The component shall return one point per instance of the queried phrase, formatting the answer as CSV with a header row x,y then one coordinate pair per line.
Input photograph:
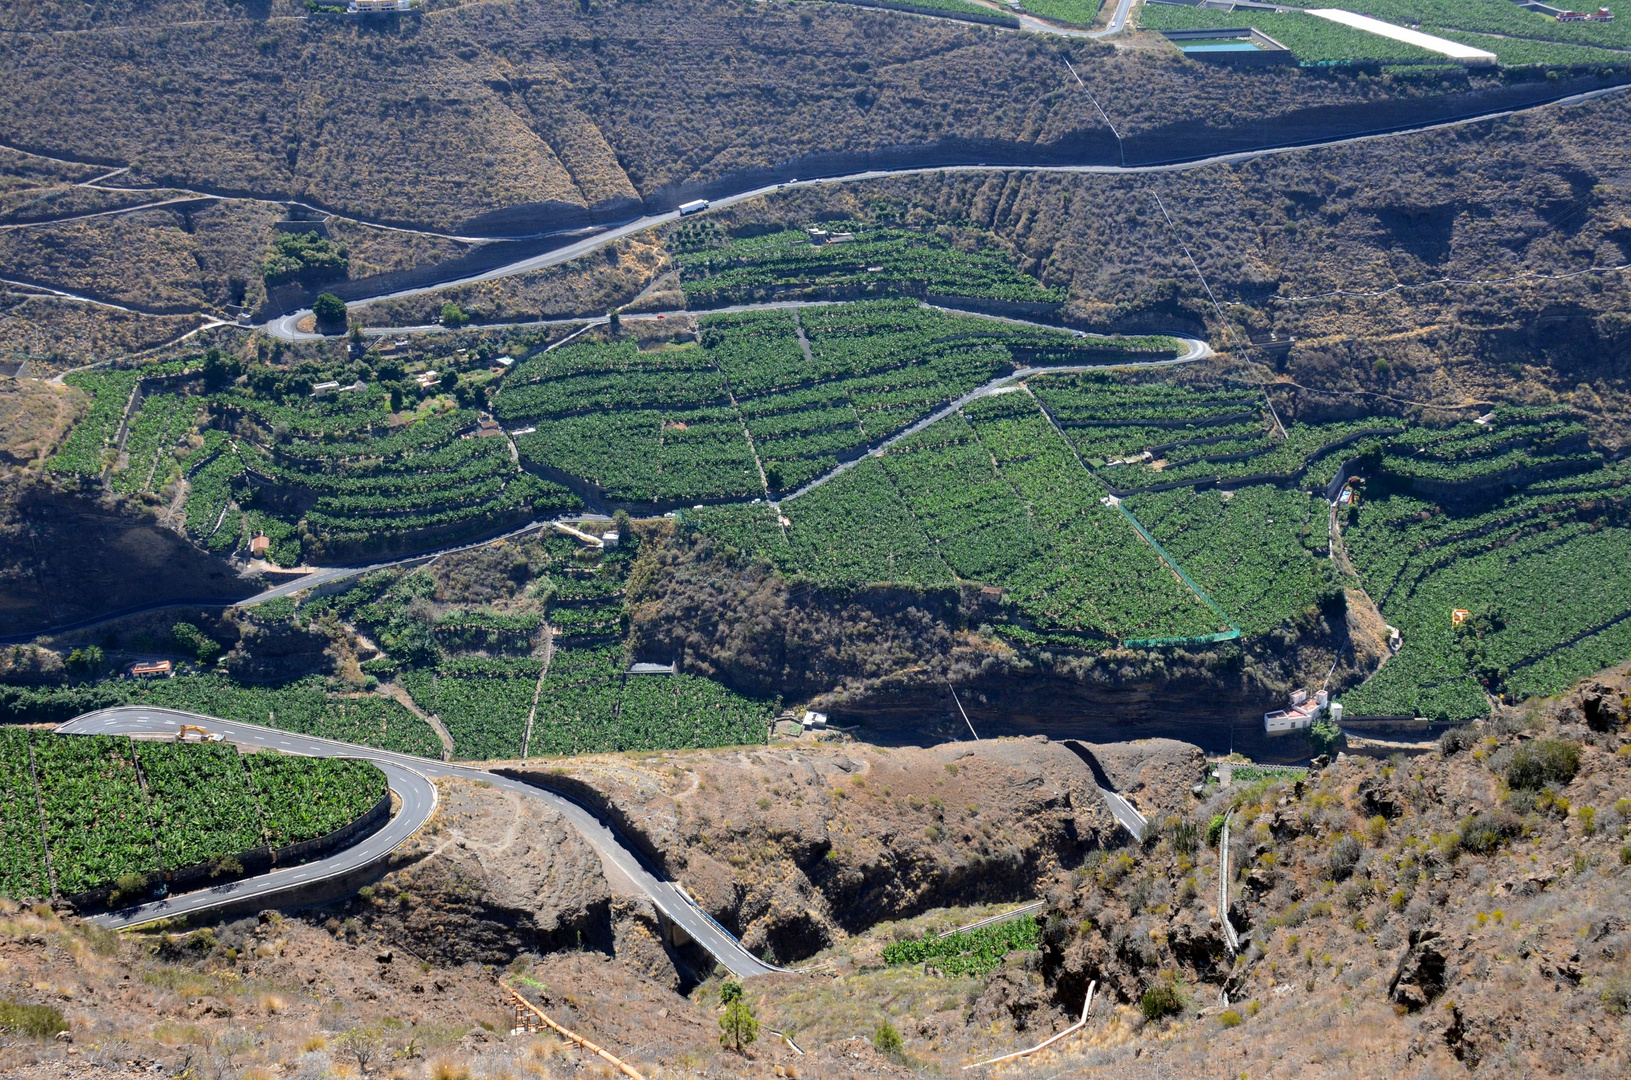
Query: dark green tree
x,y
330,312
220,368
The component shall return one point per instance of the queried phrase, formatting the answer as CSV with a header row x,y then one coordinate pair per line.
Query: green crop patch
x,y
1257,551
967,952
1069,12
89,446
1152,436
1516,35
155,432
87,811
996,496
485,629
324,478
341,478
853,261
486,714
1222,530
1312,40
305,707
1497,19
588,704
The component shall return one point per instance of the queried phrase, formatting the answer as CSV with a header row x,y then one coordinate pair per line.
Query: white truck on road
x,y
695,206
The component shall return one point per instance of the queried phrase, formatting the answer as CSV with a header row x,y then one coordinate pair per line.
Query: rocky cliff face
x,y
792,847
883,656
493,874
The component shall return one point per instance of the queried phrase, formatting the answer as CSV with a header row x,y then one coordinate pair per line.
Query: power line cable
x,y
1227,328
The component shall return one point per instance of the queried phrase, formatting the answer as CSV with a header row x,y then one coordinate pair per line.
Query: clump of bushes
x,y
886,1040
1617,997
1324,736
1537,764
1344,857
34,1021
1484,831
1457,739
1162,999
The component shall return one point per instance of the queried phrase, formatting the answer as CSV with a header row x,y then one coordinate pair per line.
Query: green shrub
x,y
1214,830
1229,1018
887,1041
1324,736
1616,996
35,1021
1162,999
1548,761
1484,832
1185,837
1344,857
453,315
730,991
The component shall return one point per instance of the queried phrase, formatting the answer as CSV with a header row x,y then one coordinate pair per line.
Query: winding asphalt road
x,y
1125,813
286,327
414,775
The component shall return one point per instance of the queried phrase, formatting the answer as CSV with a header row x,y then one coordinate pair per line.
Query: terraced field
x,y
1542,573
1222,527
1154,436
863,263
791,392
993,495
1517,36
346,478
1108,508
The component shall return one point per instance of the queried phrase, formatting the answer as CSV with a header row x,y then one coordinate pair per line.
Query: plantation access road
x,y
417,793
327,574
285,327
1197,350
620,859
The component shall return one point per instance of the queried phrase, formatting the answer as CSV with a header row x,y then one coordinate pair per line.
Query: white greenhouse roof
x,y
1443,46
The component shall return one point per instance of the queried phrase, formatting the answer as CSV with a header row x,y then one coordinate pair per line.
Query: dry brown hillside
x,y
1422,916
483,106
